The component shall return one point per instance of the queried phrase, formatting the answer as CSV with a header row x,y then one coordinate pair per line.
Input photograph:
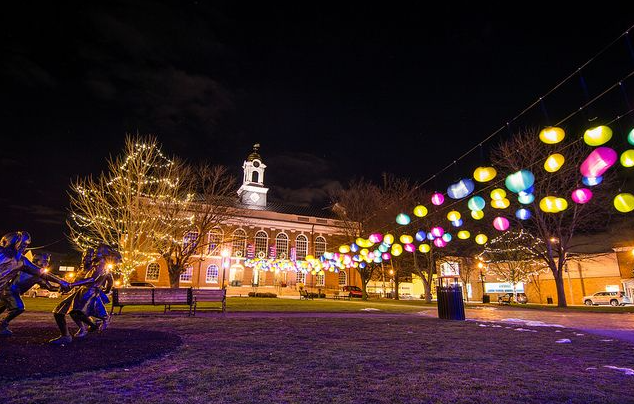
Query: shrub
x,y
262,294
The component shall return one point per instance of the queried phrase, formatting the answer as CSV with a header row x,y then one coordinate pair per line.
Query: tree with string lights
x,y
119,208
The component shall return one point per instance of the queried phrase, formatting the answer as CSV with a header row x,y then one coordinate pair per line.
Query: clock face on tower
x,y
254,197
256,164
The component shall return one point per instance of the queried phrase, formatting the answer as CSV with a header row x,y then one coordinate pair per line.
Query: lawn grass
x,y
345,358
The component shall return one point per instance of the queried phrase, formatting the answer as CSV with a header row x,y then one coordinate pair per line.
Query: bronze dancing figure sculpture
x,y
12,262
87,297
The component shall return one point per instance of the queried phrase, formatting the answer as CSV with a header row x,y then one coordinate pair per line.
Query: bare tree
x,y
204,202
557,230
117,208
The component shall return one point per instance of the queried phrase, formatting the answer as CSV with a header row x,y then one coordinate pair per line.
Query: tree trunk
x,y
427,285
364,284
175,276
561,293
396,282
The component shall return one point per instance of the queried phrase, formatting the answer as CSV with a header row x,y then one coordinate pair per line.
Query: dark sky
x,y
332,91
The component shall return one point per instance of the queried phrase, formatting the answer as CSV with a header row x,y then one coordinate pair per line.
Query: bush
x,y
313,295
262,294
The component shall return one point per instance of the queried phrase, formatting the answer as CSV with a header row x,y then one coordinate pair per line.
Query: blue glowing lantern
x,y
354,247
523,214
460,189
630,137
447,237
476,203
519,181
421,235
403,219
457,223
525,199
591,181
430,236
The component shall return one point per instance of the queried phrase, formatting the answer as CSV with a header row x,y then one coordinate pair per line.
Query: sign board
x,y
449,269
66,269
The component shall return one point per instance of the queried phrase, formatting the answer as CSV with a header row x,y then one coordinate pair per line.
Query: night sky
x,y
331,91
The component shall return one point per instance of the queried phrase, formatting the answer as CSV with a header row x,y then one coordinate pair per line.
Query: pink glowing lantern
x,y
376,238
386,256
409,247
437,198
437,231
581,195
501,223
598,162
439,242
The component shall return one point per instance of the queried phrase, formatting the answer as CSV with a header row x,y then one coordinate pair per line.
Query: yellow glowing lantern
x,y
561,204
554,162
424,248
309,257
627,158
477,214
553,204
388,239
406,239
552,135
484,174
364,252
500,203
624,202
481,239
344,249
453,216
463,234
497,194
597,136
420,211
396,250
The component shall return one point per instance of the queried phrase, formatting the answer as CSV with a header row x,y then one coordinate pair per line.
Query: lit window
x,y
190,239
301,277
301,244
343,278
214,240
186,276
320,280
212,274
152,273
281,246
239,243
320,246
261,243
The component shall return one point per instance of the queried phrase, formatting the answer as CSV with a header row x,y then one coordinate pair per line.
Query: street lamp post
x,y
225,264
481,265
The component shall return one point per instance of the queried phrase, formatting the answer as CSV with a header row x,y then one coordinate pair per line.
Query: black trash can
x,y
450,304
486,299
549,300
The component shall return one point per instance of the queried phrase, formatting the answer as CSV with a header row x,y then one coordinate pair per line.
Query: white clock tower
x,y
252,191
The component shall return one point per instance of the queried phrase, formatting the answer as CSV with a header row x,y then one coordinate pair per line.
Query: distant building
x,y
265,242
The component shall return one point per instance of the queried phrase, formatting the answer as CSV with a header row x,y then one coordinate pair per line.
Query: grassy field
x,y
344,358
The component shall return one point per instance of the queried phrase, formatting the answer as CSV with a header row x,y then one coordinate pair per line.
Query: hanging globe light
x,y
420,211
630,137
525,199
523,214
554,162
386,256
396,250
581,195
552,135
376,237
519,181
477,214
440,243
624,202
457,223
344,249
484,174
497,194
481,239
409,247
464,234
591,181
447,237
476,203
424,248
354,247
437,231
501,223
403,219
406,239
598,162
500,203
421,235
388,239
460,189
627,158
453,216
437,199
597,136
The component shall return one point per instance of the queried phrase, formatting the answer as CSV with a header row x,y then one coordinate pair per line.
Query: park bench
x,y
304,295
152,297
210,295
337,295
505,299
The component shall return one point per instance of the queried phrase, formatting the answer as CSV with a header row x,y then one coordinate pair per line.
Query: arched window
x,y
152,272
301,244
301,277
186,276
281,246
212,274
214,241
261,243
190,240
255,176
320,246
343,278
239,243
320,280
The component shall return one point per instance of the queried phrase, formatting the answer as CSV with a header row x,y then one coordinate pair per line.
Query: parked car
x,y
37,291
611,298
142,285
508,298
352,291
